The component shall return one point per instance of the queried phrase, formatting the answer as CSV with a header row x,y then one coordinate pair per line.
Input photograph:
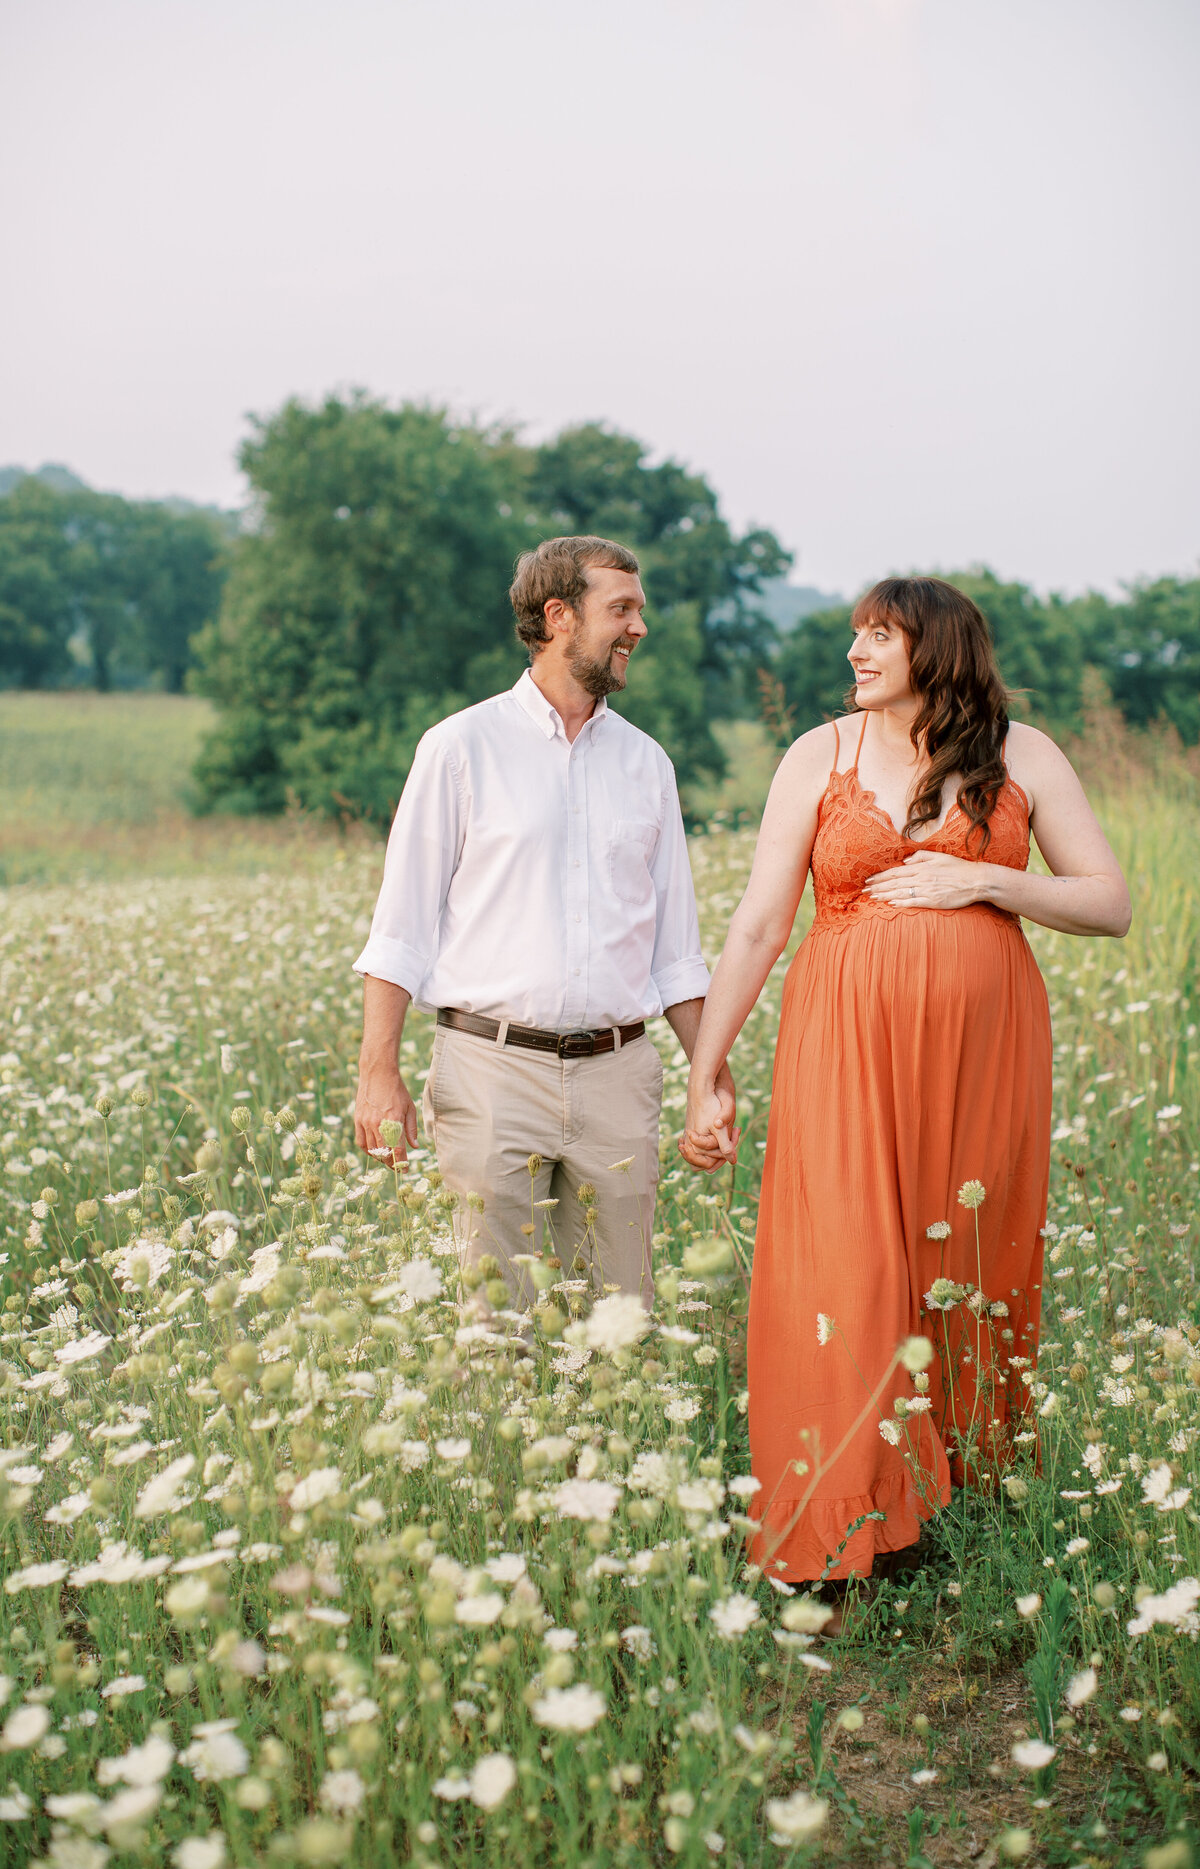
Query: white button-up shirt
x,y
535,879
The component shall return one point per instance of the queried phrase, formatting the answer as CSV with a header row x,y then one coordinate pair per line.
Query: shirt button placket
x,y
576,885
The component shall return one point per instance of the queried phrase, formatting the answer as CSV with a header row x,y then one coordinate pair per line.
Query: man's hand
x,y
383,1098
709,1139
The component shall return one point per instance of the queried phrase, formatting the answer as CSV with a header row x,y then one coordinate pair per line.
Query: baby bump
x,y
919,975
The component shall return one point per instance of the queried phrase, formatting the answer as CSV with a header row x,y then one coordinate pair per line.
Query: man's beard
x,y
594,677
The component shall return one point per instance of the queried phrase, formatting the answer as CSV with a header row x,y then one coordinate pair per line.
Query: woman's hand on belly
x,y
931,879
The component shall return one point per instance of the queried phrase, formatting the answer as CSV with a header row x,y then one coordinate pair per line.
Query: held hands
x,y
383,1098
709,1139
930,879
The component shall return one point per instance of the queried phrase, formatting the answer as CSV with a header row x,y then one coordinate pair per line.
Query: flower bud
x,y
86,1213
103,1106
241,1119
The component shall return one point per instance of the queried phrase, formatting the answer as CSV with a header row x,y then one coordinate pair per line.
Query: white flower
x,y
972,1194
733,1615
825,1328
915,1354
119,1563
320,1484
939,1230
146,1764
925,1776
162,1493
35,1576
591,1501
421,1280
1175,1608
215,1752
142,1264
207,1852
1076,1546
1028,1606
683,1408
452,1450
1081,1687
699,1496
655,1473
616,1323
891,1431
123,1198
450,1789
123,1684
744,1486
342,1792
570,1709
15,1807
796,1817
1032,1754
561,1641
123,1815
506,1567
638,1641
1168,1113
24,1726
83,1349
492,1778
479,1611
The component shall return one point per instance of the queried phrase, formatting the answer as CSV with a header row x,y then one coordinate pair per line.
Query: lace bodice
x,y
856,839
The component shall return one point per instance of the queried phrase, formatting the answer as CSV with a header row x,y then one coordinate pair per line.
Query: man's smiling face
x,y
608,627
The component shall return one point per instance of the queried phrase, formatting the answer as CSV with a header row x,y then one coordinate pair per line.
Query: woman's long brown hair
x,y
962,714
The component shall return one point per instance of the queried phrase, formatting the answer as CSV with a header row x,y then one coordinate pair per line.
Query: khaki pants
x,y
489,1108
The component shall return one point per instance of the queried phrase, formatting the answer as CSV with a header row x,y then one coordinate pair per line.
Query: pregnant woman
x,y
912,1066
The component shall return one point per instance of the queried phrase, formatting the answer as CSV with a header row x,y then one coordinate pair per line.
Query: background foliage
x,y
363,597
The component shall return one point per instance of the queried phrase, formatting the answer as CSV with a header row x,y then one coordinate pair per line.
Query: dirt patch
x,y
955,1817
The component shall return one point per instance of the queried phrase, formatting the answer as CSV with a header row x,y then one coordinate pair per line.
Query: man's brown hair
x,y
559,568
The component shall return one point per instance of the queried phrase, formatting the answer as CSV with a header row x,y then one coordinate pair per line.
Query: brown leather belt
x,y
532,1038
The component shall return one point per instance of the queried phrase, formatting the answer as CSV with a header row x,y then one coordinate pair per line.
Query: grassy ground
x,y
382,1544
97,787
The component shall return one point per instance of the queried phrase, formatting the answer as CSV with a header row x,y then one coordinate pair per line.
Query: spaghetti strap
x,y
862,736
837,751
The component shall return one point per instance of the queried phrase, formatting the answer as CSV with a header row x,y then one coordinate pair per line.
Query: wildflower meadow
x,y
314,1551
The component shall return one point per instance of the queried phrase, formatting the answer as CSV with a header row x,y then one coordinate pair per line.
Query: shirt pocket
x,y
630,849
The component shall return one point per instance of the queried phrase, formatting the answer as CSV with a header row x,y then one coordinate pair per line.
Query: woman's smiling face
x,y
879,657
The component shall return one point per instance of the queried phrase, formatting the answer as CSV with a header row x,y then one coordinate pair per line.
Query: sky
x,y
913,282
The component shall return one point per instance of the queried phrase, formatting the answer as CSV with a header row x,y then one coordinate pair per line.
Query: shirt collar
x,y
539,709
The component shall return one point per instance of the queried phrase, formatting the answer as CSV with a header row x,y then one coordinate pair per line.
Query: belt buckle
x,y
576,1044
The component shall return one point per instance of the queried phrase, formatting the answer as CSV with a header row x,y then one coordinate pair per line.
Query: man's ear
x,y
560,618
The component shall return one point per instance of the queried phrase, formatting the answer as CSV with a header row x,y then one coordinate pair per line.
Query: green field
x,y
302,1562
98,786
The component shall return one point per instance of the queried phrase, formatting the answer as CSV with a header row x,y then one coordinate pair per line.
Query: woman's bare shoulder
x,y
805,767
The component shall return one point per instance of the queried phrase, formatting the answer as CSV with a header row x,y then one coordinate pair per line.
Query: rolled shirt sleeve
x,y
423,849
677,968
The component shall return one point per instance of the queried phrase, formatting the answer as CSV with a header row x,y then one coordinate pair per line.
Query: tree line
x,y
100,591
363,597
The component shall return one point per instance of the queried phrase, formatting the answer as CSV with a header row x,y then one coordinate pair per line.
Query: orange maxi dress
x,y
914,1057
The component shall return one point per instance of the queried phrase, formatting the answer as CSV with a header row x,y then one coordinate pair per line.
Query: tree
x,y
36,615
93,583
368,600
1149,648
369,597
594,479
1041,647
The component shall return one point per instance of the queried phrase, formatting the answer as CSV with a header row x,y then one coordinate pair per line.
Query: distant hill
x,y
51,473
786,603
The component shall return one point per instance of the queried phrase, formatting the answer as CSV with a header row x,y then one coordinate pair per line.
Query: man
x,y
537,895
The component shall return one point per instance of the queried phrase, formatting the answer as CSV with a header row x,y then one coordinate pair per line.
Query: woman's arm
x,y
758,934
1085,895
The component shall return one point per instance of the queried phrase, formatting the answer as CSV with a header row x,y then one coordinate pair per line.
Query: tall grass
x,y
307,1559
